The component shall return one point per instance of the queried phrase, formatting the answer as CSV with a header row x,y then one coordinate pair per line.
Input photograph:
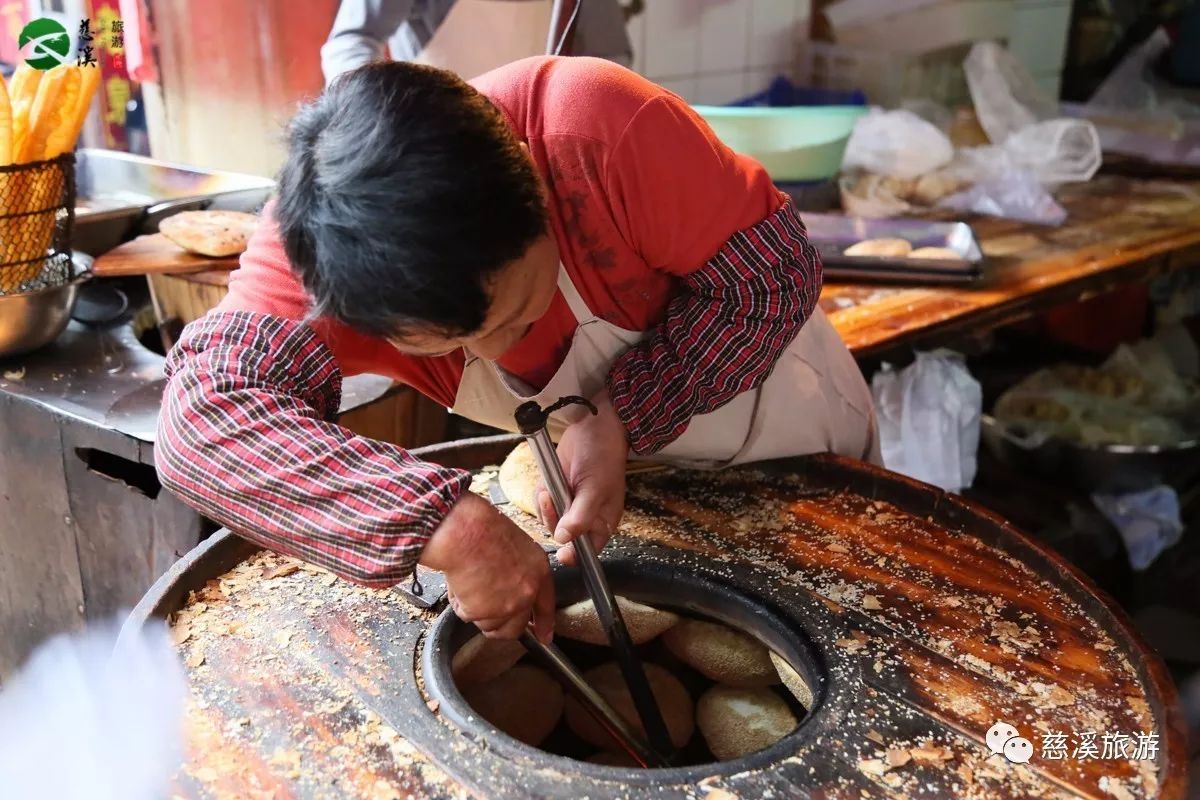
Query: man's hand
x,y
593,453
497,576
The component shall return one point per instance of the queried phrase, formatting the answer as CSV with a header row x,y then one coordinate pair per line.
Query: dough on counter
x,y
210,233
880,248
580,622
673,699
735,722
519,478
935,253
793,680
482,659
524,702
721,653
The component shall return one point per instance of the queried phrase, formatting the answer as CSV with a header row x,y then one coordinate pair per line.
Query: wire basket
x,y
37,214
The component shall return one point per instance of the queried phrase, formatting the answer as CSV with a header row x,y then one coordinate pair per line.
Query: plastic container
x,y
795,143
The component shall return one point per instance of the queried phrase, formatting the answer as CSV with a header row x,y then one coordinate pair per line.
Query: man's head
x,y
410,211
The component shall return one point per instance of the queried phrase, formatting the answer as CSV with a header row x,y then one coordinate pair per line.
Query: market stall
x,y
930,532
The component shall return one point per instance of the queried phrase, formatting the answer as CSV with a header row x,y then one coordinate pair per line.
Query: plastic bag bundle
x,y
1025,124
896,143
929,414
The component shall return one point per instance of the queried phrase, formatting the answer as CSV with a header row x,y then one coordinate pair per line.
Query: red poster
x,y
108,49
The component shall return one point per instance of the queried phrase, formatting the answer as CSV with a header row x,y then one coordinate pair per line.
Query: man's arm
x,y
360,34
738,306
244,437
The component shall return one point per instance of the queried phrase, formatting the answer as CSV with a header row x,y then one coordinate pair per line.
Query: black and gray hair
x,y
403,192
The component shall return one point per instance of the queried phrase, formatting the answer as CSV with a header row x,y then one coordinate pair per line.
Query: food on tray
x,y
482,659
793,680
880,248
736,721
1135,398
524,702
216,234
580,621
673,699
721,654
935,253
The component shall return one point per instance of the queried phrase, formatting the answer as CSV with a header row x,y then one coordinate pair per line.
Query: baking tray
x,y
831,234
119,195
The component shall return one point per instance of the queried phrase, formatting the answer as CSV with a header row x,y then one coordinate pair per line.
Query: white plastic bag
x,y
1025,124
1015,194
929,416
897,143
1005,95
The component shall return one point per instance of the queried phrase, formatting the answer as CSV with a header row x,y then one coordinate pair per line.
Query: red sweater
x,y
660,226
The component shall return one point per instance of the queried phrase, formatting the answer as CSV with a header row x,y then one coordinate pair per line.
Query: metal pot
x,y
1113,468
34,319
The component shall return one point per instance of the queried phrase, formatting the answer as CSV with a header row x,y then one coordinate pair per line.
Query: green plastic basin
x,y
794,143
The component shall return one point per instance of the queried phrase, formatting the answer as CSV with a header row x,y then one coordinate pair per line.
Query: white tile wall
x,y
719,89
672,38
1038,34
724,25
717,51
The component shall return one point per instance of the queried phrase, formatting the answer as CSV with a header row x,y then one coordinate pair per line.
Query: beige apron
x,y
815,400
480,35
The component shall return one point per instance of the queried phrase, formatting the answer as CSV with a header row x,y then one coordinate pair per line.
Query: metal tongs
x,y
531,421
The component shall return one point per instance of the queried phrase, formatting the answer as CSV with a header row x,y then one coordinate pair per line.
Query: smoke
x,y
91,718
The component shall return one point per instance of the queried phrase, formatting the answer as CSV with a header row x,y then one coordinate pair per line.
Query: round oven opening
x,y
718,726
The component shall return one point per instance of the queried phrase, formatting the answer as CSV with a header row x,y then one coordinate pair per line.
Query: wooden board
x,y
155,254
297,675
1118,231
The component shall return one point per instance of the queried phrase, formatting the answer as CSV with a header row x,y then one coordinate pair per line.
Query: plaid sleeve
x,y
722,333
244,437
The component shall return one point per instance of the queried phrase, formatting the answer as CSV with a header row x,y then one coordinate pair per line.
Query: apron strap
x,y
578,307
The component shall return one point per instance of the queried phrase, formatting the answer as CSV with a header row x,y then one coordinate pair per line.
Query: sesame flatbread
x,y
216,234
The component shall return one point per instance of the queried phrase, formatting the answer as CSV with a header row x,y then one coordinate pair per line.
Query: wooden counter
x,y
1119,231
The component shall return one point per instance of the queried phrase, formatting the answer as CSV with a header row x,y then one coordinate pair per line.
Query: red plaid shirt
x,y
661,228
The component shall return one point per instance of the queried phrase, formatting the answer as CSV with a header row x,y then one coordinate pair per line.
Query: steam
x,y
91,718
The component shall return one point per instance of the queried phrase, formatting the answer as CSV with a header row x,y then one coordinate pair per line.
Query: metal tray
x,y
832,234
119,195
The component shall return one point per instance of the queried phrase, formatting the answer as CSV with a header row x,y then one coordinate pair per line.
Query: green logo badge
x,y
48,41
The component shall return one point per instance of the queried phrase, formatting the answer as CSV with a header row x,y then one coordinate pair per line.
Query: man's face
x,y
521,293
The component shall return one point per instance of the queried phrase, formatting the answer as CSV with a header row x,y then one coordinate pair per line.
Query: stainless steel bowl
x,y
1114,468
34,319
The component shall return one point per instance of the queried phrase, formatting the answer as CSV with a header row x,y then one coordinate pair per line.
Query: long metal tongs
x,y
531,422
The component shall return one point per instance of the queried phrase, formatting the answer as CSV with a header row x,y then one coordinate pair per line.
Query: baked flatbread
x,y
735,722
519,478
721,653
793,680
482,659
880,248
935,253
524,702
216,234
581,622
673,700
